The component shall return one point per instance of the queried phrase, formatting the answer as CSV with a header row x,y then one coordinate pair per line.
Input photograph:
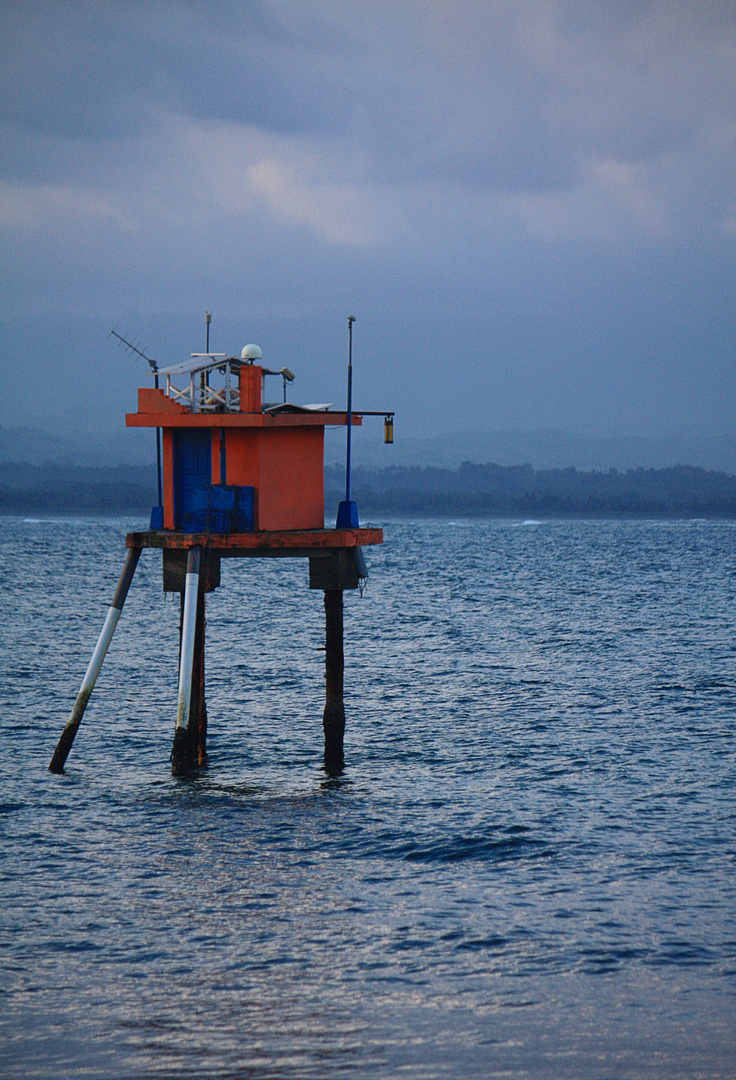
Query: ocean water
x,y
526,869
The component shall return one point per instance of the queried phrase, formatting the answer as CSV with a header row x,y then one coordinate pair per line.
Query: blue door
x,y
192,479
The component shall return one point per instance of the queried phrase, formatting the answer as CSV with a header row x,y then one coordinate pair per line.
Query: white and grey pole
x,y
113,615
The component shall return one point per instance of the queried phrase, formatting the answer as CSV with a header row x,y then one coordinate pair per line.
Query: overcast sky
x,y
529,206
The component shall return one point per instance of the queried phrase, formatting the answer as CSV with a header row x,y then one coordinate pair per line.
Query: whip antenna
x,y
347,511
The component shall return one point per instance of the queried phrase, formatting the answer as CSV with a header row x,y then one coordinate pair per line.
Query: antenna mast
x,y
351,320
347,511
130,347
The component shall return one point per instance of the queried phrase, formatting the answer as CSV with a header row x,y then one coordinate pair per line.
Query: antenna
x,y
347,511
351,320
132,347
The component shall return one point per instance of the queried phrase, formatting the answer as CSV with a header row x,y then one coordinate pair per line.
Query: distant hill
x,y
491,489
471,489
28,488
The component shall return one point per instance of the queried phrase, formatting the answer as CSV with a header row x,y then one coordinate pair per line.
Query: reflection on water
x,y
525,869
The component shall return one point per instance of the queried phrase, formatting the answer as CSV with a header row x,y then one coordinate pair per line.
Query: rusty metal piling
x,y
333,719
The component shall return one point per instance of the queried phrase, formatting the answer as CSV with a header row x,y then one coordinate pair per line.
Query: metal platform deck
x,y
297,543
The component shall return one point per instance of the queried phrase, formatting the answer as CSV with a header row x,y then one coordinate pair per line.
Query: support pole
x,y
198,709
197,745
180,758
113,615
333,719
158,523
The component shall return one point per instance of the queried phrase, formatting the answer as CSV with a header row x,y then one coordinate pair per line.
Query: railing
x,y
212,387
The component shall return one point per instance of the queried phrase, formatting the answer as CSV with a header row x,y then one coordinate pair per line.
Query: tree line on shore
x,y
470,490
481,490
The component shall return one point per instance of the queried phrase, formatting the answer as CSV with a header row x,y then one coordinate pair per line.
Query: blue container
x,y
243,517
222,497
220,521
229,508
221,508
195,521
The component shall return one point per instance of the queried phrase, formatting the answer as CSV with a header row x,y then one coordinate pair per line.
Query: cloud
x,y
337,213
506,96
573,119
184,171
37,206
729,220
445,164
611,199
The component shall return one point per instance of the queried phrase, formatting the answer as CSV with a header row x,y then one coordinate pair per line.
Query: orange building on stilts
x,y
240,477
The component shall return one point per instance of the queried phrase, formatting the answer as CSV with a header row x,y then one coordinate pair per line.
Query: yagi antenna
x,y
133,348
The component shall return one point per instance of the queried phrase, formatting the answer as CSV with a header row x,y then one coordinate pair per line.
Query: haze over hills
x,y
540,449
37,446
523,473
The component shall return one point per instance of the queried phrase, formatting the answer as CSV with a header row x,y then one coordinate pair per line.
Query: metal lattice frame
x,y
201,396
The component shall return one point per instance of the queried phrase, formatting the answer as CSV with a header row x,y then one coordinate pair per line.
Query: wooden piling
x,y
113,615
333,719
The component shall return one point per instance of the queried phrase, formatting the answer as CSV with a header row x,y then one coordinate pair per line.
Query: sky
x,y
529,207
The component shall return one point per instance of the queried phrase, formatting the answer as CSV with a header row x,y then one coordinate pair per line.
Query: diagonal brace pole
x,y
113,615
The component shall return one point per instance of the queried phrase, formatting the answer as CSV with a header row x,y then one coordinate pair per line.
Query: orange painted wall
x,y
291,480
250,388
284,466
167,476
241,465
151,400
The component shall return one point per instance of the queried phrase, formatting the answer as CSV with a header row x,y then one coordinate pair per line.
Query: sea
x,y
527,867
